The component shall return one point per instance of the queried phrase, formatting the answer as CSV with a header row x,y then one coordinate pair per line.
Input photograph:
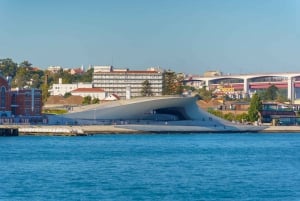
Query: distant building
x,y
18,102
102,69
92,92
61,89
26,102
212,73
116,81
54,69
5,98
77,71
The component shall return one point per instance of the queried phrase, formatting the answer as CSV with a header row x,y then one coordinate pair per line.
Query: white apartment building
x,y
60,89
119,81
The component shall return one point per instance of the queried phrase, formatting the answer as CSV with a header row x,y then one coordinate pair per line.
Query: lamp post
x,y
94,116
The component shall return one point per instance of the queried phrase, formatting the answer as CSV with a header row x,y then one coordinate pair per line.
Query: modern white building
x,y
61,89
118,81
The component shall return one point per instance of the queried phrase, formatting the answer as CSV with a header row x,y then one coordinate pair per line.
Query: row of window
x,y
126,81
127,77
133,91
106,85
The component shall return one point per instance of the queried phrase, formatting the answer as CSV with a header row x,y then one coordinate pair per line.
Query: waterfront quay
x,y
85,130
10,131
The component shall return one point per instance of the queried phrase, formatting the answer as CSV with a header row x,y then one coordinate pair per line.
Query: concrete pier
x,y
9,132
84,130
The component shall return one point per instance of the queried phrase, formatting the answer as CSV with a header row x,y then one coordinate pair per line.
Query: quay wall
x,y
9,132
15,130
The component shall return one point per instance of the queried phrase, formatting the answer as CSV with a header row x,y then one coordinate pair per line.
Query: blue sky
x,y
233,36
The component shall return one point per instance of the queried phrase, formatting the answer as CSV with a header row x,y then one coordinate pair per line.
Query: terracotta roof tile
x,y
93,90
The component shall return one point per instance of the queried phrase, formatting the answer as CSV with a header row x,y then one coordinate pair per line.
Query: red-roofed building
x,y
77,71
92,92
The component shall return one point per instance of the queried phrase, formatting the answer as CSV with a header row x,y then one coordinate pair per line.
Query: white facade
x,y
54,69
92,92
60,89
116,81
103,68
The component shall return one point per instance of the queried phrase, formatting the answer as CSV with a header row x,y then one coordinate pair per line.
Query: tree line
x,y
272,93
24,75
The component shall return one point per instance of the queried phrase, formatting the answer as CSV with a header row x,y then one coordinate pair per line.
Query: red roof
x,y
76,71
88,90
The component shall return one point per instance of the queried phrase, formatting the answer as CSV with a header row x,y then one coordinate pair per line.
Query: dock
x,y
86,130
9,132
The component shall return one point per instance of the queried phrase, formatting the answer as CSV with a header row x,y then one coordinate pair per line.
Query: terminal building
x,y
124,81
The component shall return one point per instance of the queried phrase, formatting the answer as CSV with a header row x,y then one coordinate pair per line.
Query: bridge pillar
x,y
291,89
246,87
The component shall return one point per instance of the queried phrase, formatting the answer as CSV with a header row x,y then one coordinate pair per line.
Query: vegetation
x,y
230,116
8,67
255,107
146,88
87,100
95,101
45,92
25,76
68,94
172,83
205,94
55,111
273,94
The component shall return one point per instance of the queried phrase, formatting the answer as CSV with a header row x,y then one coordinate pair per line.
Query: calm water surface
x,y
151,167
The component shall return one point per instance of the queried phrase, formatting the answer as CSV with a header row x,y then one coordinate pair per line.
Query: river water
x,y
151,167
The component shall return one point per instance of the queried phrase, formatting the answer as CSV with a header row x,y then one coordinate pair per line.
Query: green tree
x,y
282,95
95,101
205,94
169,83
179,83
68,94
45,92
8,67
87,76
87,100
271,93
146,88
217,113
255,107
20,78
229,116
25,64
242,117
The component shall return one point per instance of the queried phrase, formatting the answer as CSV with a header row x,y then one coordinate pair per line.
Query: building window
x,y
3,98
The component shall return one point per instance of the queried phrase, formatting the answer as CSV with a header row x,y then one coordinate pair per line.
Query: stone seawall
x,y
46,130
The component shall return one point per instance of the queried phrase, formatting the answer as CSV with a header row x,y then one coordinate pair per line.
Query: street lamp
x,y
94,116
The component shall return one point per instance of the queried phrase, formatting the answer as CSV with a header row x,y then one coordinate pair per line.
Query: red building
x,y
26,102
19,103
5,98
